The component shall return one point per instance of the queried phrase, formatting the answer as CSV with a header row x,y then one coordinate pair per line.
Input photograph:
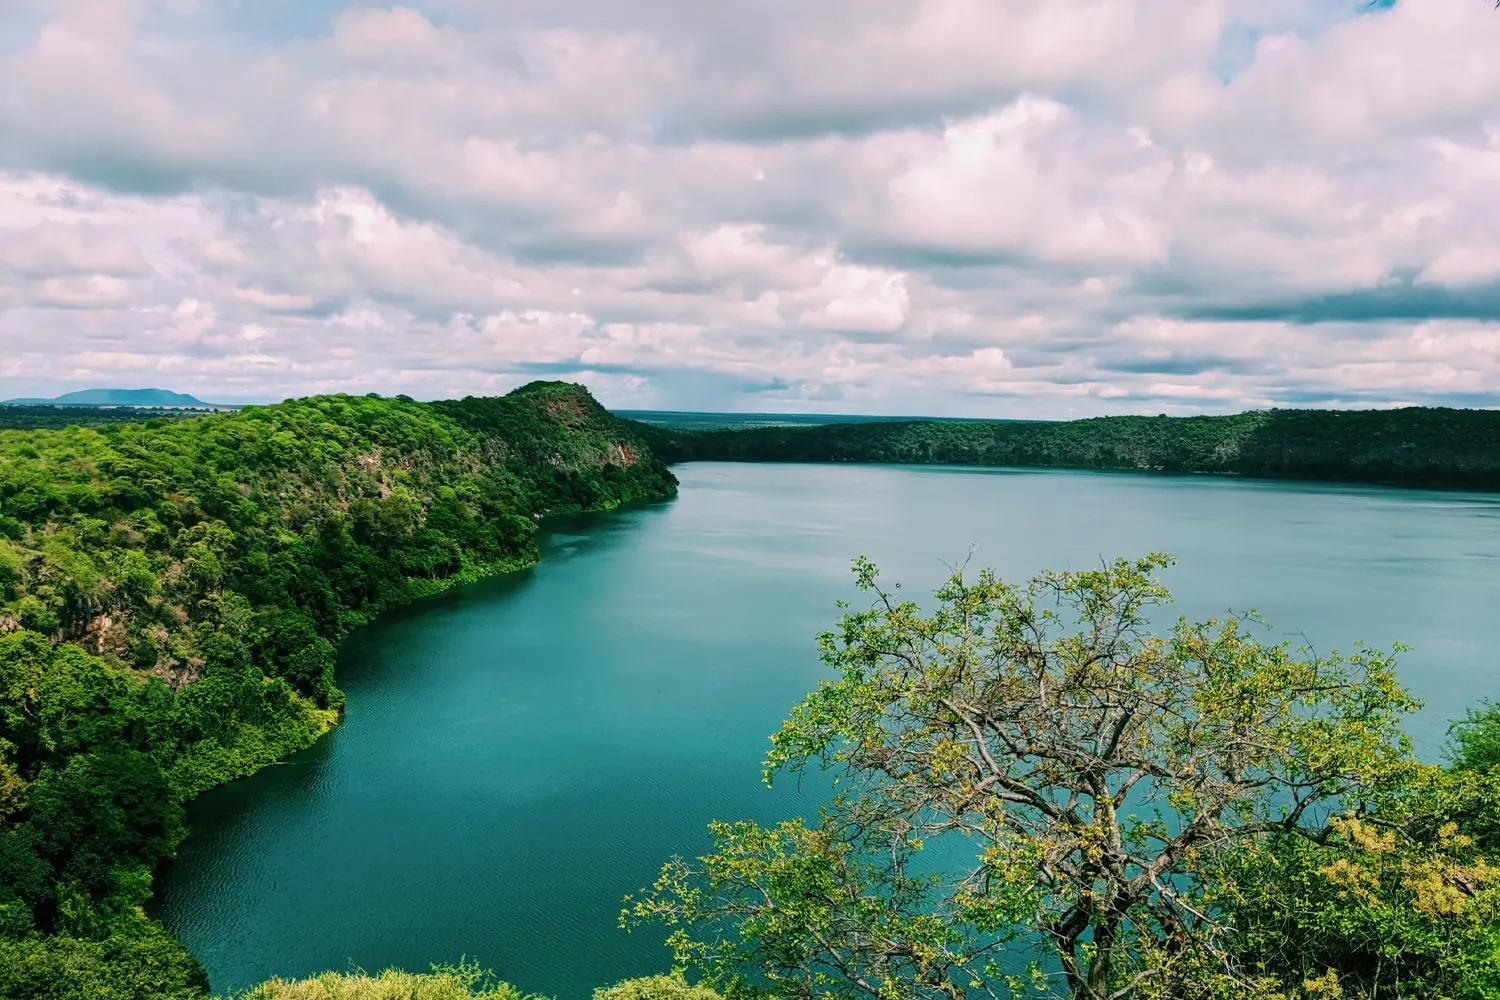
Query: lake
x,y
520,754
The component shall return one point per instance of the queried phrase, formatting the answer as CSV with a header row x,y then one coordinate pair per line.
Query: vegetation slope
x,y
170,596
1417,446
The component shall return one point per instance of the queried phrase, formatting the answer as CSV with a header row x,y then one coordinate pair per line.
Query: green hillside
x,y
1415,446
170,596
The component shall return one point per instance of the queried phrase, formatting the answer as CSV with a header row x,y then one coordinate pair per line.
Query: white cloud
x,y
1026,182
82,292
857,299
1045,207
1464,266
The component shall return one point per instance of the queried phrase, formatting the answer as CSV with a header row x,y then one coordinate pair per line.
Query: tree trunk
x,y
1106,930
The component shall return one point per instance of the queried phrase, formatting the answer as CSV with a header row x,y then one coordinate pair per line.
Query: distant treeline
x,y
47,416
1413,446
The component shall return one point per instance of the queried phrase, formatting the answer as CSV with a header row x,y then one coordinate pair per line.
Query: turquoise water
x,y
519,755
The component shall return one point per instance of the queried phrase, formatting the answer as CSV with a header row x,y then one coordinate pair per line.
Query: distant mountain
x,y
115,397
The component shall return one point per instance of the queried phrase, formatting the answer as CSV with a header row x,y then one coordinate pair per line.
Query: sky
x,y
1007,208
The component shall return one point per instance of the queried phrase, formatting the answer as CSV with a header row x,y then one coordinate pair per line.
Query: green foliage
x,y
655,988
10,570
38,417
143,963
290,647
171,594
1402,902
1032,770
95,766
1474,740
1418,446
460,982
127,536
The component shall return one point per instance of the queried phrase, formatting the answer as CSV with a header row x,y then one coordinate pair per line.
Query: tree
x,y
1399,904
1030,770
1474,740
144,962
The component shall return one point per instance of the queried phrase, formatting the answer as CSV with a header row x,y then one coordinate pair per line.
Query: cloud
x,y
1039,208
1026,183
857,300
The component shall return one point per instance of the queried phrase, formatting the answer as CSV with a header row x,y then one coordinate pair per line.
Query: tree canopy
x,y
1414,446
1043,792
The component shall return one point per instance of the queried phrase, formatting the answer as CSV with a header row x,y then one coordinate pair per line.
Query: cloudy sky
x,y
970,207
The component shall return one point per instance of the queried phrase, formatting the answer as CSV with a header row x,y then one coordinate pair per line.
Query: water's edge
x,y
514,569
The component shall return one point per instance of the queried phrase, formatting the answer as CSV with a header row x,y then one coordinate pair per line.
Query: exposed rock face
x,y
106,636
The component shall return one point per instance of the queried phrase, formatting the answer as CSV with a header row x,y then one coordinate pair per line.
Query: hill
x,y
170,596
1414,446
118,397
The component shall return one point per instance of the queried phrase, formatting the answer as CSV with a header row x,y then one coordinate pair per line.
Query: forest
x,y
22,417
171,597
1412,446
1153,813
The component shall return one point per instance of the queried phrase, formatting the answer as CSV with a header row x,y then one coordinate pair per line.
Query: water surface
x,y
520,754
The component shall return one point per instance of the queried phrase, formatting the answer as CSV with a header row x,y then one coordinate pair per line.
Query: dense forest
x,y
41,416
171,593
1416,446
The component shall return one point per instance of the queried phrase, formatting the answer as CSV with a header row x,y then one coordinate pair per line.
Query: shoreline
x,y
335,718
1153,473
